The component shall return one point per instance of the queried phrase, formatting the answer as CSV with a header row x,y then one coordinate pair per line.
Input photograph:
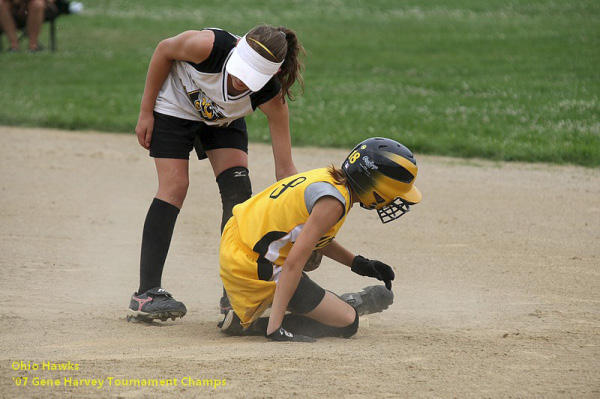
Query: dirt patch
x,y
496,290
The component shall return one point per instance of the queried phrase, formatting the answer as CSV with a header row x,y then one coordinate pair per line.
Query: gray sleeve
x,y
321,189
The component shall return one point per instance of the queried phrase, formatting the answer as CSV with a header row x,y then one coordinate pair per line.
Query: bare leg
x,y
173,180
35,19
331,318
161,219
332,311
8,24
222,159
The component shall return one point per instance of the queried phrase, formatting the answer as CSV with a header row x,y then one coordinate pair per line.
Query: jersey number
x,y
281,189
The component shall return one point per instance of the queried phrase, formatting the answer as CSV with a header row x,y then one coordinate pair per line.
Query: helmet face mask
x,y
382,173
393,210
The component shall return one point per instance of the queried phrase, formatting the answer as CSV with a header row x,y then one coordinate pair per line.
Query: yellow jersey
x,y
270,222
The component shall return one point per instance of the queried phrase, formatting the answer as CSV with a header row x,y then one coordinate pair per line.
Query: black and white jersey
x,y
199,91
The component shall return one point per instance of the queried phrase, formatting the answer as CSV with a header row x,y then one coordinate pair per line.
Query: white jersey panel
x,y
190,94
274,248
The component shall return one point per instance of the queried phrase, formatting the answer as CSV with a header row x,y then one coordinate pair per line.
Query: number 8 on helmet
x,y
382,172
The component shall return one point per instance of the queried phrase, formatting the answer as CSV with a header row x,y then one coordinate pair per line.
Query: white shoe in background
x,y
75,7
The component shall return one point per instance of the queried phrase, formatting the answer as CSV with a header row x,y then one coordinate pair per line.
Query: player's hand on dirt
x,y
144,128
282,335
373,268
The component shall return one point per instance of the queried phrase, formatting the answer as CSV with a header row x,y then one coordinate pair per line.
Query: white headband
x,y
250,67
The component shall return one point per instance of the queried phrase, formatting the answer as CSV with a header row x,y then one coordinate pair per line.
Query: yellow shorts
x,y
249,296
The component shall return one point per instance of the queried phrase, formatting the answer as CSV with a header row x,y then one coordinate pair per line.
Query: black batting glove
x,y
282,335
373,268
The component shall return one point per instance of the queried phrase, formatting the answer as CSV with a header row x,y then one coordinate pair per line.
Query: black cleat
x,y
372,299
224,304
231,324
154,304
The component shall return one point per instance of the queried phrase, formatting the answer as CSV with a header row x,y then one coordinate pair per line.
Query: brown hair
x,y
281,44
339,177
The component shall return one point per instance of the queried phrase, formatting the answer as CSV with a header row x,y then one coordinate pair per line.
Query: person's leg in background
x,y
8,24
35,20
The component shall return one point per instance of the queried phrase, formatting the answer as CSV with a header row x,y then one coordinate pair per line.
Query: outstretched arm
x,y
338,252
359,264
326,212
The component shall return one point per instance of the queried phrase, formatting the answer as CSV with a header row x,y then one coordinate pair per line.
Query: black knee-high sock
x,y
235,188
156,239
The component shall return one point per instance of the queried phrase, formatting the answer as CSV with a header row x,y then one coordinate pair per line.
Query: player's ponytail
x,y
338,175
280,44
291,70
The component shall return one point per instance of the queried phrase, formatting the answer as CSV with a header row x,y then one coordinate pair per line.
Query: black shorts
x,y
307,296
174,137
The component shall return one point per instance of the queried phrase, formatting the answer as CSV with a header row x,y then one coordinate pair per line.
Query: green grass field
x,y
503,80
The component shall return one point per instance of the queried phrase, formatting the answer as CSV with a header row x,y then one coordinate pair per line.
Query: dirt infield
x,y
497,288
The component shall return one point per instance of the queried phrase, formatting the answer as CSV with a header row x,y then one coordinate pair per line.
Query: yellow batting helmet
x,y
382,172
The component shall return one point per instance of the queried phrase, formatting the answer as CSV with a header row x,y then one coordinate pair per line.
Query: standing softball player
x,y
267,242
199,87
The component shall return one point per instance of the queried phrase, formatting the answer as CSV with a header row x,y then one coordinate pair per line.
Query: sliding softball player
x,y
267,242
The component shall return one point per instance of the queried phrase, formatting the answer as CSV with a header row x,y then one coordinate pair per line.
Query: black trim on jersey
x,y
224,42
224,78
265,267
241,95
270,90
